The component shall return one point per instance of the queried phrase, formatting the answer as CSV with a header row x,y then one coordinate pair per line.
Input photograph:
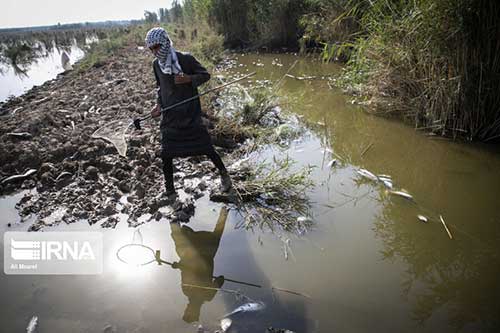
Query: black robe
x,y
182,130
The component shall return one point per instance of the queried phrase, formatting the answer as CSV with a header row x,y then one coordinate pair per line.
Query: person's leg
x,y
226,183
217,161
168,173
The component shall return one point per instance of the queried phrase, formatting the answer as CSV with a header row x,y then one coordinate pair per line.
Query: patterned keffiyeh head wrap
x,y
167,58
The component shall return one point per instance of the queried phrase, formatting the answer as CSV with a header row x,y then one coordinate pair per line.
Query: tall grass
x,y
436,63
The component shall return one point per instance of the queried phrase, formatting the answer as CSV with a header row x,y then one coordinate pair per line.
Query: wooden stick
x,y
291,292
444,224
234,292
366,149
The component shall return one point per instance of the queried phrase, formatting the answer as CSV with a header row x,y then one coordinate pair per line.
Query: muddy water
x,y
46,66
368,265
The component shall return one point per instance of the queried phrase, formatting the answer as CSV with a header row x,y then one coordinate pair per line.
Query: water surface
x,y
16,80
368,264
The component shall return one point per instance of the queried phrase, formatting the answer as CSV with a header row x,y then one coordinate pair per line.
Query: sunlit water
x,y
368,265
45,67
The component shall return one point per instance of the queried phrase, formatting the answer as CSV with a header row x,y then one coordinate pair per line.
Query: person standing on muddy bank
x,y
183,133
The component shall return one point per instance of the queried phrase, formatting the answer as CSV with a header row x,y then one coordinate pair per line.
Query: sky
x,y
27,13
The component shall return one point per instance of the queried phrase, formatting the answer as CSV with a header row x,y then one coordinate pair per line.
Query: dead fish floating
x,y
422,218
32,325
367,174
332,163
386,181
18,177
225,324
247,307
402,194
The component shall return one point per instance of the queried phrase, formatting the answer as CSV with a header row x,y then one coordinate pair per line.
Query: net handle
x,y
197,96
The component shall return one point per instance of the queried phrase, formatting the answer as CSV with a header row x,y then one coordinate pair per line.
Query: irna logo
x,y
75,252
51,250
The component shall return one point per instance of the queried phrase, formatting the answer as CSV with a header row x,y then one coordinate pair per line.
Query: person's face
x,y
155,49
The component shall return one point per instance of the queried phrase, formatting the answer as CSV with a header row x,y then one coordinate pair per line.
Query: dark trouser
x,y
168,167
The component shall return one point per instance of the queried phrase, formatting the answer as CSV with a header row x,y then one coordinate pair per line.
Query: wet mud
x,y
46,146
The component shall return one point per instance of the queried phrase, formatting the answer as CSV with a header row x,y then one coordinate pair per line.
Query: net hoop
x,y
135,245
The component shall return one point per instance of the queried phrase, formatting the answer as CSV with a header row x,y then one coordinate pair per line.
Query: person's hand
x,y
155,112
182,79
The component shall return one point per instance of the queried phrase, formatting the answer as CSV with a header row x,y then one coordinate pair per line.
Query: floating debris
x,y
32,325
248,307
366,149
301,78
327,150
18,177
445,226
291,292
402,194
367,174
286,246
278,330
422,218
303,219
225,323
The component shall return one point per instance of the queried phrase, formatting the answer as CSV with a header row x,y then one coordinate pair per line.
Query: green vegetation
x,y
109,41
434,63
274,195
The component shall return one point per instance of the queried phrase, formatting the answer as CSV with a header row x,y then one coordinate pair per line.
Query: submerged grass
x,y
268,195
272,195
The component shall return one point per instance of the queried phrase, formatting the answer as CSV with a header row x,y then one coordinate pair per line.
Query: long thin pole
x,y
199,95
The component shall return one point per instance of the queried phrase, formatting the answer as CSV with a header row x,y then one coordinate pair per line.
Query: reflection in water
x,y
459,276
26,61
196,250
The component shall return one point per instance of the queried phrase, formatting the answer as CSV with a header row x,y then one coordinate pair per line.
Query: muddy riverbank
x,y
75,176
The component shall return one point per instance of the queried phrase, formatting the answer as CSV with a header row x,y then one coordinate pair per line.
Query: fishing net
x,y
114,132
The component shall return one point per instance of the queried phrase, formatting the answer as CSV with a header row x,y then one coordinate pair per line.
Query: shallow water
x,y
46,65
368,264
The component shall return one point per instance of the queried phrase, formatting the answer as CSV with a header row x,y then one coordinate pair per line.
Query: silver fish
x,y
422,218
332,163
247,307
367,174
402,194
18,177
386,181
225,323
32,325
23,135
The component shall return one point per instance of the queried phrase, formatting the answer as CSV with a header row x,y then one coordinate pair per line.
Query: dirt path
x,y
77,177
